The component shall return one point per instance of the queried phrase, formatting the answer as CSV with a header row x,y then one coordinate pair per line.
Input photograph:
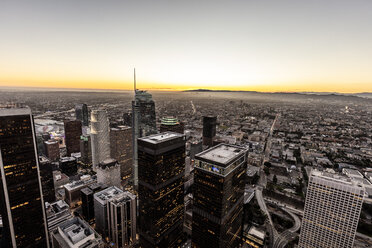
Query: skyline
x,y
285,46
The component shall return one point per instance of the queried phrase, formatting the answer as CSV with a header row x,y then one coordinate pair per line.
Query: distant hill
x,y
312,95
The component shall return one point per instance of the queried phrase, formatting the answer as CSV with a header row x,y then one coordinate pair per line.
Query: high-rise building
x,y
57,213
87,200
100,135
172,124
21,199
209,130
73,189
219,179
47,183
101,199
75,233
73,132
161,165
144,123
121,213
332,209
86,150
108,172
121,150
52,150
68,165
128,119
81,113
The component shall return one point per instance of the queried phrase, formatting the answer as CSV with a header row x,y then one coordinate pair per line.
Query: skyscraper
x,y
209,130
121,150
161,165
144,123
21,198
73,132
86,150
46,175
101,199
332,209
219,181
108,172
100,135
127,119
81,113
121,214
52,150
171,124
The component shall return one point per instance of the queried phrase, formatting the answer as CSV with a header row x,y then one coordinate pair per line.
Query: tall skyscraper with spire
x,y
21,198
144,122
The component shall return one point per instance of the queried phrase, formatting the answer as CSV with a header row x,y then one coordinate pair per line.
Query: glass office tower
x,y
21,200
161,165
144,123
219,196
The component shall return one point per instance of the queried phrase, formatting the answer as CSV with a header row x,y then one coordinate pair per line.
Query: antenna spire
x,y
135,88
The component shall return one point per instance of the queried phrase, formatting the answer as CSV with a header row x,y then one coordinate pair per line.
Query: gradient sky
x,y
278,45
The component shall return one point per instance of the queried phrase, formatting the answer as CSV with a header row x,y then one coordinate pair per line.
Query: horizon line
x,y
168,90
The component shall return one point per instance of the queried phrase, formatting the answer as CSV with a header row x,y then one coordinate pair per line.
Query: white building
x,y
332,209
76,233
121,215
100,136
108,172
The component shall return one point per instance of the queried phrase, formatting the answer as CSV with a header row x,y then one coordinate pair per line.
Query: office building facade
x,y
21,199
81,113
144,123
122,220
73,132
46,176
332,208
52,150
219,180
209,130
101,199
121,150
100,136
161,164
108,172
86,150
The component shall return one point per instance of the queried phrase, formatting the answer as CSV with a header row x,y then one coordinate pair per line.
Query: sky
x,y
263,45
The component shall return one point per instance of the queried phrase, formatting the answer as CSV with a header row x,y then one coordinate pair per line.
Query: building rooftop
x,y
76,233
107,163
122,198
11,110
107,194
161,137
256,233
337,178
169,121
222,154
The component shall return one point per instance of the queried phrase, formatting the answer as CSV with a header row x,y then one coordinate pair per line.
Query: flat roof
x,y
107,194
161,137
14,111
222,153
257,233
